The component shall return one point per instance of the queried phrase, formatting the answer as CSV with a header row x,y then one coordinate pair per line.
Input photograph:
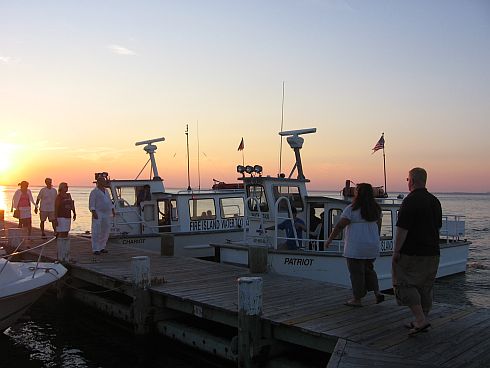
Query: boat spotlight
x,y
249,169
258,169
240,169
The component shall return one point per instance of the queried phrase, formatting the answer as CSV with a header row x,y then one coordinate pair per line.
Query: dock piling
x,y
63,245
15,236
257,258
142,316
249,325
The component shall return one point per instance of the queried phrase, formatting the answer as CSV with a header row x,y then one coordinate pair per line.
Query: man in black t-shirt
x,y
416,253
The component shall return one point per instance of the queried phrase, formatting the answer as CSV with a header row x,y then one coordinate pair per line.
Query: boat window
x,y
173,208
202,209
292,193
231,207
333,218
386,225
165,213
257,191
126,196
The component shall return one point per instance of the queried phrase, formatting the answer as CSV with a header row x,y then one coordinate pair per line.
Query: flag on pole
x,y
380,144
241,146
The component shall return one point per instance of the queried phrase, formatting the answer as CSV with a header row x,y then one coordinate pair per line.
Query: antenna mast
x,y
150,148
296,143
282,123
198,154
188,164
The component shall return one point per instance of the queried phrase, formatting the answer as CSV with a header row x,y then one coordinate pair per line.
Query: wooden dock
x,y
195,302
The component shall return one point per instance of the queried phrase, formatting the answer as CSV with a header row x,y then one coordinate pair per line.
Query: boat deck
x,y
295,311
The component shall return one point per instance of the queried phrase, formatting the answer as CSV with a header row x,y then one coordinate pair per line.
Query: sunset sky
x,y
82,81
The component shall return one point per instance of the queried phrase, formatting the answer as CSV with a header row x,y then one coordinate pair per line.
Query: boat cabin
x,y
182,211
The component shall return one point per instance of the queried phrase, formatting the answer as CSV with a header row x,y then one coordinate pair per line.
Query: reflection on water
x,y
56,334
5,200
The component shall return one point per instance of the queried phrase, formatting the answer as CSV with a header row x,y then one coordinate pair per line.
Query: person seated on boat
x,y
317,235
286,225
209,214
143,195
314,220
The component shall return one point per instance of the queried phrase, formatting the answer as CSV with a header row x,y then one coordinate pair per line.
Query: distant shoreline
x,y
311,190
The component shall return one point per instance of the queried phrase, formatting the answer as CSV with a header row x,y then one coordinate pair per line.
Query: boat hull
x,y
21,284
14,306
183,244
332,268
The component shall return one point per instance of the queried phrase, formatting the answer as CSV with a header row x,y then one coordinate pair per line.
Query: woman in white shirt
x,y
362,223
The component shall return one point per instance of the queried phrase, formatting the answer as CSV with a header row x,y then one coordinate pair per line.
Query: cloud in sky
x,y
120,50
6,60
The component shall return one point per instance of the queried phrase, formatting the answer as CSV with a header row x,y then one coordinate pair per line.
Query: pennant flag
x,y
380,144
241,146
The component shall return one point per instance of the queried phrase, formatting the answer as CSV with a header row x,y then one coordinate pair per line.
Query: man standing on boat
x,y
45,200
416,253
100,204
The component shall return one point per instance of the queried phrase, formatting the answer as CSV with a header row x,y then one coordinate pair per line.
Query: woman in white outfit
x,y
362,221
100,204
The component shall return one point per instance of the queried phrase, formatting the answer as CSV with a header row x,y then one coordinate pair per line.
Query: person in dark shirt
x,y
143,195
63,207
416,252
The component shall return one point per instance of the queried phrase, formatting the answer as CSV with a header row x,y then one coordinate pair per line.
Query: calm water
x,y
62,335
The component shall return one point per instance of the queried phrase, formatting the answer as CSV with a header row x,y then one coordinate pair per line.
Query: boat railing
x,y
17,252
453,227
158,227
290,218
119,214
388,201
313,245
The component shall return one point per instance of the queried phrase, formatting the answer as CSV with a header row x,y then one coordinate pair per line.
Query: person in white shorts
x,y
46,197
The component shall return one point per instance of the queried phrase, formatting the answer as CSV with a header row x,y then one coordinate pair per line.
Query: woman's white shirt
x,y
361,237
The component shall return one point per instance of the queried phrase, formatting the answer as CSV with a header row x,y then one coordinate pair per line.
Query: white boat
x,y
21,284
181,223
268,203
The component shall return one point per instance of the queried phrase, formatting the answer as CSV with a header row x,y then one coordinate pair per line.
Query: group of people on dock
x,y
415,257
57,206
53,205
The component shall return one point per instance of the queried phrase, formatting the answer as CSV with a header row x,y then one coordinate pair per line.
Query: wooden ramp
x,y
295,311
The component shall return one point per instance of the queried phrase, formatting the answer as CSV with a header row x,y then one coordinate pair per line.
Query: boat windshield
x,y
257,191
291,193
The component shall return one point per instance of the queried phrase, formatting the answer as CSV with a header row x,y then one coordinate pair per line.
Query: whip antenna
x,y
282,124
188,164
198,154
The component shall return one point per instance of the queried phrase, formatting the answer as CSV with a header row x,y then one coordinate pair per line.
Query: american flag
x,y
380,144
241,146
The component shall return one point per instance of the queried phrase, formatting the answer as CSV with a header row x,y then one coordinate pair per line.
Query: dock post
x,y
257,258
249,326
2,220
140,269
167,244
63,245
15,236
